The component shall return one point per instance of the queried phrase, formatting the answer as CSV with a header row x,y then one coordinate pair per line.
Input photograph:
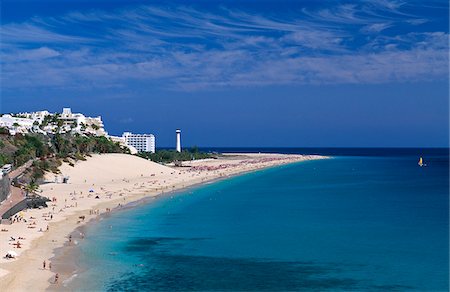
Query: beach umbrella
x,y
11,253
91,190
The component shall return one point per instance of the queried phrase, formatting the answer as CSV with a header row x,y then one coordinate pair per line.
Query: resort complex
x,y
45,123
66,122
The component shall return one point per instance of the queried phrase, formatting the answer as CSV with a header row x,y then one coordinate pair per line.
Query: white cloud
x,y
30,33
29,55
417,21
187,49
376,27
389,4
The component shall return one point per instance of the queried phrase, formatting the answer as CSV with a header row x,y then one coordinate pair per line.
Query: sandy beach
x,y
97,186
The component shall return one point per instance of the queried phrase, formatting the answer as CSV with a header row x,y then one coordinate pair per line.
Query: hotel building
x,y
67,122
81,123
16,124
142,142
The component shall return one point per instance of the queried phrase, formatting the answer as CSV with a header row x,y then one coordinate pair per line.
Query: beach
x,y
96,187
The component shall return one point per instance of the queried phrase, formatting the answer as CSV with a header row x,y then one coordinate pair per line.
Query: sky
x,y
332,73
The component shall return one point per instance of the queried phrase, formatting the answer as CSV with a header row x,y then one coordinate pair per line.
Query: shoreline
x,y
64,255
54,245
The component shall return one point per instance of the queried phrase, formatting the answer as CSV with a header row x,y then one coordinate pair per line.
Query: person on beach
x,y
44,264
56,278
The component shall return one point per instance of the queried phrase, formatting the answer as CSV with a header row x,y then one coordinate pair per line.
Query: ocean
x,y
363,221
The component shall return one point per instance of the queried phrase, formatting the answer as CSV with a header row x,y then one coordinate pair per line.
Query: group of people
x,y
18,218
94,212
44,266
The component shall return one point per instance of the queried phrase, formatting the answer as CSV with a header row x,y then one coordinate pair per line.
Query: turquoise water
x,y
353,223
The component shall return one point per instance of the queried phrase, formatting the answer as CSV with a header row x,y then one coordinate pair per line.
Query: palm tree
x,y
32,187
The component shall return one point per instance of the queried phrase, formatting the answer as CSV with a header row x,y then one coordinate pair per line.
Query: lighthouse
x,y
178,131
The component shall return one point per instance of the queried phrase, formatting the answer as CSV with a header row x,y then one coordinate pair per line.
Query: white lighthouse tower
x,y
178,131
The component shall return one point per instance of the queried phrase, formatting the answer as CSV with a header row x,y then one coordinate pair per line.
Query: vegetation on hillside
x,y
69,145
48,151
168,156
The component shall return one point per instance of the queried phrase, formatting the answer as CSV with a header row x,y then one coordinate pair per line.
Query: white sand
x,y
115,179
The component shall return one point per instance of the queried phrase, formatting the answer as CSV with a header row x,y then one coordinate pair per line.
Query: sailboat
x,y
421,162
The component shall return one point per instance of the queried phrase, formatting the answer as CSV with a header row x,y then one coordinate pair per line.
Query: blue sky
x,y
368,73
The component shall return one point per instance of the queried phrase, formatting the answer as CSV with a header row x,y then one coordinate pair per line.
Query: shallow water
x,y
353,223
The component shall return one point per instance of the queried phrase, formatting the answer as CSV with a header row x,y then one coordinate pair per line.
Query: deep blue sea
x,y
368,221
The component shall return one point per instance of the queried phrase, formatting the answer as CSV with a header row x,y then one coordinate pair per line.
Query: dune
x,y
103,168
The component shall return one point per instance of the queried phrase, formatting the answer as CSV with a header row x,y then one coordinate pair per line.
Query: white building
x,y
121,141
67,122
82,124
142,142
35,116
32,122
15,124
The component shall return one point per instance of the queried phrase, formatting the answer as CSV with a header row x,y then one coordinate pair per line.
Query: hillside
x,y
48,151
